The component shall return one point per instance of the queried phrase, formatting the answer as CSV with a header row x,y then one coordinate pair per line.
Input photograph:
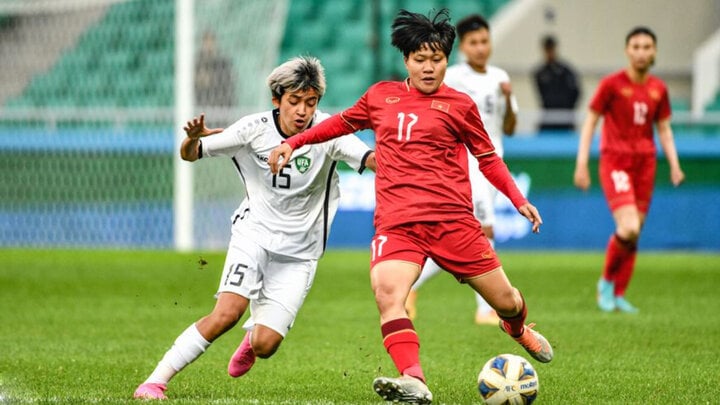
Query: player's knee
x,y
225,318
265,348
628,228
385,293
509,303
629,231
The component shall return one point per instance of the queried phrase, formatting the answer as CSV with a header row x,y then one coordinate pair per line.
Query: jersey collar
x,y
413,90
276,120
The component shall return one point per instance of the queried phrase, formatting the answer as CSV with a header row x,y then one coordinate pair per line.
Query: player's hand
x,y
531,213
506,88
196,128
581,178
370,162
676,176
279,156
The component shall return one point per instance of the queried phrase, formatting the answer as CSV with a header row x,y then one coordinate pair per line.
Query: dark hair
x,y
471,23
411,31
549,42
640,31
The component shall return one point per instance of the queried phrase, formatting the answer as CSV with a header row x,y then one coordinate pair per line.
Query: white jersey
x,y
484,89
289,213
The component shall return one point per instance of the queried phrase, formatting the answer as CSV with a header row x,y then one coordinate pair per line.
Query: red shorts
x,y
460,246
628,179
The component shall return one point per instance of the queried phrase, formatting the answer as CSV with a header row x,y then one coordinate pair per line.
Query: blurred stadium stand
x,y
103,68
356,52
87,125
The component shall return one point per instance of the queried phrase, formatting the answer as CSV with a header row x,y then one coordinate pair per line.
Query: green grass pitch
x,y
88,326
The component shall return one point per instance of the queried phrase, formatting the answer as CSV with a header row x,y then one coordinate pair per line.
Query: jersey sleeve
x,y
351,120
473,133
495,170
601,99
226,143
664,110
351,150
357,116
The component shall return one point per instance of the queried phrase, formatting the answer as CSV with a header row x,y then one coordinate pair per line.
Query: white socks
x,y
187,347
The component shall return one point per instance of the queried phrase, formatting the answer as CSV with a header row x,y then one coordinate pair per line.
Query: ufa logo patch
x,y
626,91
302,163
392,100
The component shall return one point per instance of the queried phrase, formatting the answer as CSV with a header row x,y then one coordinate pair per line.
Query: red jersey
x,y
629,111
422,167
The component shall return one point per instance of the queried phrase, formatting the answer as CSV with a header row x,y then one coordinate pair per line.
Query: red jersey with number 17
x,y
422,165
629,110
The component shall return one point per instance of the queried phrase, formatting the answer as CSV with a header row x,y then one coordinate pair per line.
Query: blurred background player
x,y
490,89
629,101
557,86
424,208
279,234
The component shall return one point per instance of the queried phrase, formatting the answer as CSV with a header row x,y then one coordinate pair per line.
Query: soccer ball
x,y
508,379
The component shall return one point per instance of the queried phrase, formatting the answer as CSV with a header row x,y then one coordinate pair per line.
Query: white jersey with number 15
x,y
289,213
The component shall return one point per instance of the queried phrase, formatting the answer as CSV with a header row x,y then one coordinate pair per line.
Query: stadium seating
x,y
105,69
340,34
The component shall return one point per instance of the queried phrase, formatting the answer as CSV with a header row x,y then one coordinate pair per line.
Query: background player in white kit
x,y
281,227
489,86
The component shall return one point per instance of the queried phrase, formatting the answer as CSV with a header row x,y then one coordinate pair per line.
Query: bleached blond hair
x,y
297,74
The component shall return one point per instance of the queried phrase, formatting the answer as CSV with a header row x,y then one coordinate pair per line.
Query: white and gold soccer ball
x,y
508,379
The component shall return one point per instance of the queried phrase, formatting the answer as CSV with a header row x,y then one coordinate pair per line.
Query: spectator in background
x,y
557,85
214,79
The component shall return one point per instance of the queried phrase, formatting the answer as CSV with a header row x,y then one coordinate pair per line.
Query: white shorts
x,y
276,285
483,195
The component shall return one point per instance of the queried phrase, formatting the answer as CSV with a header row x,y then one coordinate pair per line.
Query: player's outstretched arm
x,y
581,177
195,129
278,156
497,173
667,142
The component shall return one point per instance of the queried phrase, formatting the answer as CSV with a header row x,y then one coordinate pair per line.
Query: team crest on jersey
x,y
440,105
654,94
392,100
302,163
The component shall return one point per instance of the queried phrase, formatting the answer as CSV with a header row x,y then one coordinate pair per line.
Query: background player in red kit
x,y
423,198
630,101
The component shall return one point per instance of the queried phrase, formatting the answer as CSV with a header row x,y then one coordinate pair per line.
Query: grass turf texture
x,y
89,326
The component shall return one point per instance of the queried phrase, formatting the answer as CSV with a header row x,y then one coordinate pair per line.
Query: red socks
x,y
403,345
619,263
514,326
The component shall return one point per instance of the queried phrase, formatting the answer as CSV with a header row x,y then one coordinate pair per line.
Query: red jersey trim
x,y
354,129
